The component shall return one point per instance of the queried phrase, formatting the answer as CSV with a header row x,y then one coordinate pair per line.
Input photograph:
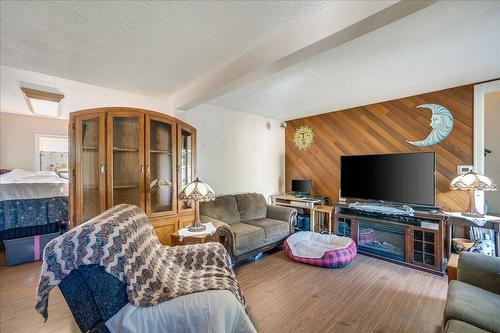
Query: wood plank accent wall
x,y
384,128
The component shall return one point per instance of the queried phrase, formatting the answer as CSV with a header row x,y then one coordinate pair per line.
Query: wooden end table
x,y
328,210
198,239
452,267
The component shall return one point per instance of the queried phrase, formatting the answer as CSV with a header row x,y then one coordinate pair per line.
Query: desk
x,y
289,200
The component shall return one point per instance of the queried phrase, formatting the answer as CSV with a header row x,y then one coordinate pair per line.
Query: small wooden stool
x,y
326,210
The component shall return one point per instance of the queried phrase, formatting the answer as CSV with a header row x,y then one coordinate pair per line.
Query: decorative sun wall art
x,y
303,137
441,123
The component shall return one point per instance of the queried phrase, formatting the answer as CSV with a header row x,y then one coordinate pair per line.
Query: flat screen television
x,y
403,177
301,186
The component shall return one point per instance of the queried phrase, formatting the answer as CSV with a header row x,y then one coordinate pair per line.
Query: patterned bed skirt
x,y
32,212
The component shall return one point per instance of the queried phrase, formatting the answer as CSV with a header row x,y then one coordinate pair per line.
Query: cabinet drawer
x,y
164,229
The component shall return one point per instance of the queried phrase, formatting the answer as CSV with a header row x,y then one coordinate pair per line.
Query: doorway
x,y
51,153
487,142
492,149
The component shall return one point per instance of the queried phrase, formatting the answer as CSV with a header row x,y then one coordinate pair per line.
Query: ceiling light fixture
x,y
43,103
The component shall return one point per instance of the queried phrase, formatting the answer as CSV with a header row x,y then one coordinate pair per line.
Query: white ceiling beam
x,y
328,28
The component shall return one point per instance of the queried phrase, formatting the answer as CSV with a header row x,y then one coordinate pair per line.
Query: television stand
x,y
415,240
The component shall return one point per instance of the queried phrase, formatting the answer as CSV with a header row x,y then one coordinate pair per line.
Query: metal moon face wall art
x,y
441,123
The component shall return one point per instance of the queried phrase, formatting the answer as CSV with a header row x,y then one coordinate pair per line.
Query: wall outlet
x,y
463,169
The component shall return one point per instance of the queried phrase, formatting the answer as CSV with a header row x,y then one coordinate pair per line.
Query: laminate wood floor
x,y
370,295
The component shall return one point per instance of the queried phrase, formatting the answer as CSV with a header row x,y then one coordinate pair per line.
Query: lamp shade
x,y
197,191
472,181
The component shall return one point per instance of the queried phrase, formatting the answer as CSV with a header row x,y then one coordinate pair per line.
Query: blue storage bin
x,y
21,250
303,222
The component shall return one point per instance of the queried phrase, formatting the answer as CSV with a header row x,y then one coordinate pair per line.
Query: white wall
x,y
238,152
17,138
492,142
53,143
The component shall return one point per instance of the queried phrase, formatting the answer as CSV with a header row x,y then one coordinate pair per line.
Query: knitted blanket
x,y
123,241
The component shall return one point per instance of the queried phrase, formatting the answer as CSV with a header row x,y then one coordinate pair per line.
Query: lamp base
x,y
197,226
472,210
194,228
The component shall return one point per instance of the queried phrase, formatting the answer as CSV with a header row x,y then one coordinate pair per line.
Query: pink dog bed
x,y
320,250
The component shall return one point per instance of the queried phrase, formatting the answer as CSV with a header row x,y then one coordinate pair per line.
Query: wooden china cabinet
x,y
128,155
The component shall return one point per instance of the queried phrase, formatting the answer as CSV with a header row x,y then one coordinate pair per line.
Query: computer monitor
x,y
301,186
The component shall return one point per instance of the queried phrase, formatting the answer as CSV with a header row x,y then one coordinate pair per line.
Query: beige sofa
x,y
473,303
247,224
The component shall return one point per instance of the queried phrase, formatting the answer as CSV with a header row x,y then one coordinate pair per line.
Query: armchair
x,y
473,301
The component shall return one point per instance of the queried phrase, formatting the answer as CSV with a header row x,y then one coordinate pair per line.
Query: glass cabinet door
x,y
424,247
186,157
90,166
160,166
125,158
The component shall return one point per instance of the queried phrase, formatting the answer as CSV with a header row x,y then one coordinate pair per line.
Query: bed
x,y
32,203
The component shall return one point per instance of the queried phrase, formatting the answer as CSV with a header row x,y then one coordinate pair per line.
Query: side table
x,y
452,267
490,222
196,239
327,210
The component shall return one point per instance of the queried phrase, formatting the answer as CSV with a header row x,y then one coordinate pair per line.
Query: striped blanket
x,y
123,241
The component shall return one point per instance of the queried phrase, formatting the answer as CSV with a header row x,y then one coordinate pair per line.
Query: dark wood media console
x,y
416,241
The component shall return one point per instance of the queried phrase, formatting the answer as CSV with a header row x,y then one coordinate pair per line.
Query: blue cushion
x,y
93,296
110,294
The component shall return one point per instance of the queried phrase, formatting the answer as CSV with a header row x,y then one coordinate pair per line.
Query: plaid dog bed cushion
x,y
304,247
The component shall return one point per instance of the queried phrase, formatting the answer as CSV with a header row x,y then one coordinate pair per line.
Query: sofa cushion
x,y
271,227
251,206
247,237
223,208
473,305
457,326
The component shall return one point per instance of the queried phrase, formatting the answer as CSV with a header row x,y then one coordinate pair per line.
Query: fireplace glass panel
x,y
383,240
